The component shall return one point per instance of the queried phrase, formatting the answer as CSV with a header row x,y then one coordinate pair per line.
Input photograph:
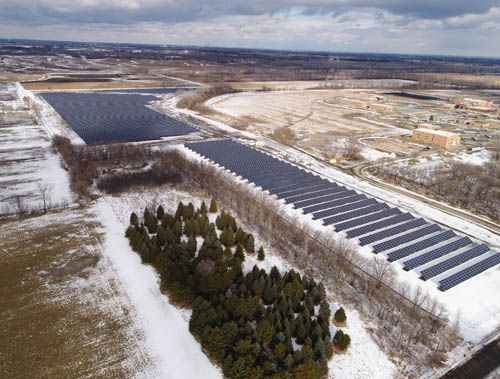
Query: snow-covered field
x,y
28,163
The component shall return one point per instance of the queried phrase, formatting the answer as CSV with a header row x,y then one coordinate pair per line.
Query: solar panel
x,y
386,245
104,117
469,272
420,245
331,201
378,225
304,190
452,262
436,253
356,213
305,196
366,219
344,208
391,231
281,192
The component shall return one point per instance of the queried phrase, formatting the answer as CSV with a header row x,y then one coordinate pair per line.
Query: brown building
x,y
436,137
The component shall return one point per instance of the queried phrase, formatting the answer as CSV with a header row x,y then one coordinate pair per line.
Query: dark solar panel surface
x,y
405,238
436,253
386,233
469,272
356,213
453,262
366,219
98,117
378,225
420,245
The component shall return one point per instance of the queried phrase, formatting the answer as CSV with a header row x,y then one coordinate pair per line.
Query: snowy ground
x,y
173,349
28,162
363,359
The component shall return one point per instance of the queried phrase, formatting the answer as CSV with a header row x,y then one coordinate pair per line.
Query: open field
x,y
55,86
62,312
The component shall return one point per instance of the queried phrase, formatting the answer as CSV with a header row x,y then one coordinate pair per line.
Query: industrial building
x,y
436,137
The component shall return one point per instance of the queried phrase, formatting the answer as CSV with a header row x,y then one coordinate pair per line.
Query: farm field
x,y
98,117
62,310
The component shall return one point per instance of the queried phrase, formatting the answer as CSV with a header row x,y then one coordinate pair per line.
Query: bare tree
x,y
20,206
352,149
45,190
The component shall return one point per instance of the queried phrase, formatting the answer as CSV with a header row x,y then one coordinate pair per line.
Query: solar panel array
x,y
436,253
469,272
420,245
453,262
104,117
386,233
348,211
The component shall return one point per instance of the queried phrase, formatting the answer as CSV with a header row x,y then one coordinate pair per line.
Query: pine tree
x,y
288,361
239,254
196,227
180,209
265,332
261,256
341,340
249,245
134,220
192,245
279,352
203,208
340,316
161,236
256,288
240,235
216,343
178,228
160,212
213,206
229,237
270,293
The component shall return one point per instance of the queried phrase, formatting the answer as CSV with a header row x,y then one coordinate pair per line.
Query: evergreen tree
x,y
270,293
177,229
240,235
239,254
203,208
306,370
265,332
192,245
257,288
134,220
340,316
288,361
279,352
249,244
216,343
196,227
160,212
213,206
261,256
341,340
229,238
161,236
146,253
179,211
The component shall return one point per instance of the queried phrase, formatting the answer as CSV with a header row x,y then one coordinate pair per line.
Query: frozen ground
x,y
28,162
174,350
183,354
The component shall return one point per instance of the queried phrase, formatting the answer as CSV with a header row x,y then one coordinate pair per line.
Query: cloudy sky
x,y
452,27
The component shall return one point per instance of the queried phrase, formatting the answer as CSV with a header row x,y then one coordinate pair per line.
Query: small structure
x,y
381,108
436,137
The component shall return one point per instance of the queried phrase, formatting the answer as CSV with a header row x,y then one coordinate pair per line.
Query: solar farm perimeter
x,y
434,253
107,117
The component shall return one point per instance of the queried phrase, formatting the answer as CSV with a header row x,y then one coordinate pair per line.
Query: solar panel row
x,y
436,253
420,245
339,206
378,225
453,262
405,238
469,272
386,233
366,219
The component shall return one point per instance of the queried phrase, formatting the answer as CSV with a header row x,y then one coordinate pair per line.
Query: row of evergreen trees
x,y
256,324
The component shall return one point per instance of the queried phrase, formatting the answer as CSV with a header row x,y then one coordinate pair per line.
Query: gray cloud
x,y
172,11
